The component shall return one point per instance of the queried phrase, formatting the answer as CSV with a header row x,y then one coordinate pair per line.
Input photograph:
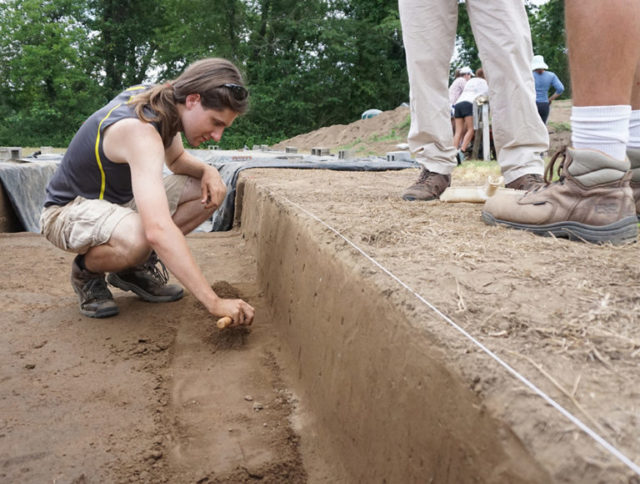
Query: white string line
x,y
586,429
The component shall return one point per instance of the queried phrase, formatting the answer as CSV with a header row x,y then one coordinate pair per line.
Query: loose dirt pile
x,y
382,133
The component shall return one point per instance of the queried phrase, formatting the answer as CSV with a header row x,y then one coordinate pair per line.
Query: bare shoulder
x,y
131,128
125,138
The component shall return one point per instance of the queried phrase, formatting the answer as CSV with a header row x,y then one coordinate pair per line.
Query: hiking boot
x,y
428,186
592,201
634,157
148,281
526,182
96,301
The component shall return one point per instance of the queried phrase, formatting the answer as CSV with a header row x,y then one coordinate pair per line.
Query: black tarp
x,y
229,170
25,184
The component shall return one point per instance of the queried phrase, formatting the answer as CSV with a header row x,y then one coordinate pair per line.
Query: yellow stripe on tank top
x,y
102,175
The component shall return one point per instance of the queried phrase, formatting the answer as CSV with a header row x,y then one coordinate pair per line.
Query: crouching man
x,y
109,203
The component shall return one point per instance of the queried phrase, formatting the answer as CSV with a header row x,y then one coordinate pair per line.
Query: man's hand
x,y
213,188
238,310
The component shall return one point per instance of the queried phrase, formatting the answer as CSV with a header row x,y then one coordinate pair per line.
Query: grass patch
x,y
476,172
559,127
393,136
405,125
399,133
351,145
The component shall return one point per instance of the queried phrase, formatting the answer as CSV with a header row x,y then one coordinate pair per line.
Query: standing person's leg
x,y
468,133
543,111
428,32
459,133
602,78
502,32
592,201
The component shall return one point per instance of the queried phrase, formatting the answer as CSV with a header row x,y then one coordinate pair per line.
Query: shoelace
x,y
160,274
548,172
425,175
97,289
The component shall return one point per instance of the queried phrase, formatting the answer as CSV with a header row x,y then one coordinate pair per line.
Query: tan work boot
x,y
428,186
634,157
148,281
526,182
96,301
592,201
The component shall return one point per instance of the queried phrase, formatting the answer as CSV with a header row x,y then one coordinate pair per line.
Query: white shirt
x,y
473,88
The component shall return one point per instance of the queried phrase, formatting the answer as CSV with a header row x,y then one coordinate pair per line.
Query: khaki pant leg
x,y
428,31
503,36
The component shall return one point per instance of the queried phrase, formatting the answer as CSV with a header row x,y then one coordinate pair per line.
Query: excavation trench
x,y
377,396
335,382
344,377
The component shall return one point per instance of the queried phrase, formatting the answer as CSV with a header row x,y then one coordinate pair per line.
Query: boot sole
x,y
115,281
621,232
411,198
101,313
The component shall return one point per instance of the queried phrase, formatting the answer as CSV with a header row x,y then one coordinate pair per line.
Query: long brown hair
x,y
204,77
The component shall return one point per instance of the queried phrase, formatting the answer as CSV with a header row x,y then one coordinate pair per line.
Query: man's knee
x,y
129,241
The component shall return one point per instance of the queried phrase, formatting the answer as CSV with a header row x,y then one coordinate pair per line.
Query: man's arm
x,y
181,162
139,144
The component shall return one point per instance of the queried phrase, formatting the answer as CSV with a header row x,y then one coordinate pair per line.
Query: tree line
x,y
307,64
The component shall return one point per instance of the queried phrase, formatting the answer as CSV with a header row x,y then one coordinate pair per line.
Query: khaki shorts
x,y
83,223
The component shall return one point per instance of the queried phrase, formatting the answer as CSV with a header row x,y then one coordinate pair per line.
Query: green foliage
x,y
547,32
308,64
126,44
465,43
548,35
46,86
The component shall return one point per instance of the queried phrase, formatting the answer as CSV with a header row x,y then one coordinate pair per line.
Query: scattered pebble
x,y
258,406
155,454
29,366
248,398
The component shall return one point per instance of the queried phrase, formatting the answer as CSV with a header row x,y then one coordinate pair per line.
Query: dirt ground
x,y
155,394
158,394
563,314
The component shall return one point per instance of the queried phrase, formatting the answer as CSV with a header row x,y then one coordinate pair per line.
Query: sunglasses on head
x,y
239,93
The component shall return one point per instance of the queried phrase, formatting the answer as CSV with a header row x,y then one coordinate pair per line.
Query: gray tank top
x,y
84,169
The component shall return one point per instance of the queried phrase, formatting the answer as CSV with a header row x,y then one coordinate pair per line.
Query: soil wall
x,y
378,385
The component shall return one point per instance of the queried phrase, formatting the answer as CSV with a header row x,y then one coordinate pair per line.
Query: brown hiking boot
x,y
428,186
96,301
526,182
148,281
591,201
634,157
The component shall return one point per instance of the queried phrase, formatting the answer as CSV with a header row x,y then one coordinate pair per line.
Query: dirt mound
x,y
364,137
382,133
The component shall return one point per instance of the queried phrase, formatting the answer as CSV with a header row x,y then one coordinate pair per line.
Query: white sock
x,y
634,130
603,128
